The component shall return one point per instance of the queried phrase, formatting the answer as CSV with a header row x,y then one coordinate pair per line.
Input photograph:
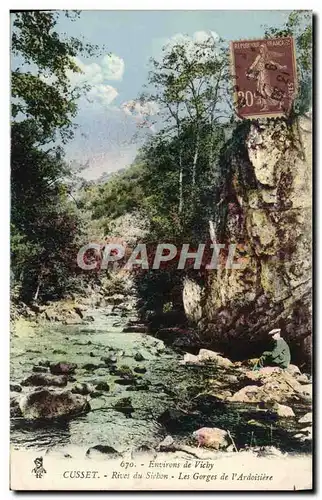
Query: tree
x,y
44,104
40,84
189,85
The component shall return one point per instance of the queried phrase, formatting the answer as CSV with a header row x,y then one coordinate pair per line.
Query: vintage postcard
x,y
161,250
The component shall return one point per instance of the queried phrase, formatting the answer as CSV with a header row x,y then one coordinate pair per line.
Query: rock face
x,y
45,404
267,213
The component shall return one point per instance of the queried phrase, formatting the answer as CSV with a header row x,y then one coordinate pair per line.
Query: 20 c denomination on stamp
x,y
264,74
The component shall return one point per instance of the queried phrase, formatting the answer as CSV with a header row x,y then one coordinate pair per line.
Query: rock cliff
x,y
268,203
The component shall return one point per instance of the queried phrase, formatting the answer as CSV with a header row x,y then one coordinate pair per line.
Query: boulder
x,y
126,380
46,404
116,299
293,370
190,359
138,356
167,444
44,379
101,451
123,371
179,337
273,384
83,388
303,379
283,410
307,431
210,356
109,360
96,394
248,394
306,419
15,388
222,394
62,368
260,376
212,437
140,369
15,407
102,386
304,434
306,391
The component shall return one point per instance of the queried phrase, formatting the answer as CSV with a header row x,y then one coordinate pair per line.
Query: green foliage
x,y
120,195
44,224
189,85
45,227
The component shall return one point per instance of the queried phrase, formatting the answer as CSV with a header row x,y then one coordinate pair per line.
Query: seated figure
x,y
280,354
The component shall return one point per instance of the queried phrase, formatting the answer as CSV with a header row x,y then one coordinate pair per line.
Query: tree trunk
x,y
180,185
37,291
212,231
195,159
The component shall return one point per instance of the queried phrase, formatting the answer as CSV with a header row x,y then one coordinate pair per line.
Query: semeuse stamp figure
x,y
264,74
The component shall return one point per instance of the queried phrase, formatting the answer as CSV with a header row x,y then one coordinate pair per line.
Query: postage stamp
x,y
264,73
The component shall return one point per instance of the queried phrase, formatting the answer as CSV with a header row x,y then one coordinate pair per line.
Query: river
x,y
168,385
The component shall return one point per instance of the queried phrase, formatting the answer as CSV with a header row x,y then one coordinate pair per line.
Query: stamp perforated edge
x,y
233,75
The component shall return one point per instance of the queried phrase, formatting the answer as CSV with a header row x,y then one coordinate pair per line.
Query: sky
x,y
106,123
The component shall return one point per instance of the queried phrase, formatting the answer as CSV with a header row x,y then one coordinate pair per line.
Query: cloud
x,y
104,94
113,67
90,73
140,112
136,108
96,75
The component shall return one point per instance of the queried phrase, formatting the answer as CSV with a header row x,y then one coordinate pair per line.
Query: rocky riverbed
x,y
111,391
